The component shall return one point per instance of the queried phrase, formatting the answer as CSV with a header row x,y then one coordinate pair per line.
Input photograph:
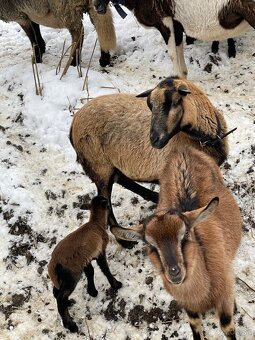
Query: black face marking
x,y
168,101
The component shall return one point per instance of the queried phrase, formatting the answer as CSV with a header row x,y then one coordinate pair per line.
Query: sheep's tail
x,y
105,28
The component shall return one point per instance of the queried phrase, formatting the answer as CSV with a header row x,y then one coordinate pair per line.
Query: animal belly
x,y
48,19
199,19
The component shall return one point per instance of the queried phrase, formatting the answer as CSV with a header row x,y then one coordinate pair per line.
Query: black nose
x,y
174,271
154,137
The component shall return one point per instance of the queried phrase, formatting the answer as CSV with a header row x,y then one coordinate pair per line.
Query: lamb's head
x,y
101,6
165,103
168,235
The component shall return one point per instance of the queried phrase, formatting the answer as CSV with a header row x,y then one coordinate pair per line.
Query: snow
x,y
40,181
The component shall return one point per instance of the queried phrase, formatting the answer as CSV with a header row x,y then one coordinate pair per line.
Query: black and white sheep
x,y
203,20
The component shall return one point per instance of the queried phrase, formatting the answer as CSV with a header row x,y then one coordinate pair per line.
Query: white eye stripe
x,y
182,232
150,240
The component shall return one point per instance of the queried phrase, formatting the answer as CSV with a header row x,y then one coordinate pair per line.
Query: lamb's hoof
x,y
127,244
92,292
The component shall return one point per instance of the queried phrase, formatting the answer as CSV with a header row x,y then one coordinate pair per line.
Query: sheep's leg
x,y
33,32
77,42
105,32
195,322
164,30
190,40
102,262
215,47
231,48
175,52
89,272
64,292
225,312
138,189
178,36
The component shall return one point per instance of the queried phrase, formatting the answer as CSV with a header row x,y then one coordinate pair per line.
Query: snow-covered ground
x,y
43,189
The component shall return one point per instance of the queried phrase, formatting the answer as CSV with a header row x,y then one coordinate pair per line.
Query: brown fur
x,y
60,14
204,249
81,246
110,135
74,254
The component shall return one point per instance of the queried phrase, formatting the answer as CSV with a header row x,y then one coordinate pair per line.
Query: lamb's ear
x,y
128,234
183,90
145,93
196,216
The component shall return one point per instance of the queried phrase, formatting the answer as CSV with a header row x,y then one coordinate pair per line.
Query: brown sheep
x,y
74,254
29,14
193,237
110,135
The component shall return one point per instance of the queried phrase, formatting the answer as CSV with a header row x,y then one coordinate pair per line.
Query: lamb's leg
x,y
105,32
77,42
102,262
64,292
195,321
33,32
89,272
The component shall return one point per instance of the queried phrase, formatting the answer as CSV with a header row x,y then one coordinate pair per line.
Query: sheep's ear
x,y
194,217
128,234
145,93
183,90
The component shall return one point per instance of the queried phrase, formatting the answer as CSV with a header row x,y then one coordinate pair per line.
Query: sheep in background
x,y
203,20
74,254
111,135
193,236
29,14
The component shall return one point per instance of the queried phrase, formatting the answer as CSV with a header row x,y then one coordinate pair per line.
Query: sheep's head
x,y
101,6
166,234
165,103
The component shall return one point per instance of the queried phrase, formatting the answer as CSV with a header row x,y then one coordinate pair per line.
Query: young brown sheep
x,y
193,237
29,14
74,254
110,135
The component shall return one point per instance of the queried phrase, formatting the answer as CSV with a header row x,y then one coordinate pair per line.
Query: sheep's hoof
x,y
73,328
92,292
116,285
105,59
127,244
